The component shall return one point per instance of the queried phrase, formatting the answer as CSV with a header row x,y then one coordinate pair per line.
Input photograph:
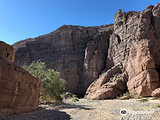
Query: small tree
x,y
53,85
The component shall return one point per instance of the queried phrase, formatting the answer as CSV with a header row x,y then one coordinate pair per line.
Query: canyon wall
x,y
107,60
64,49
19,90
133,60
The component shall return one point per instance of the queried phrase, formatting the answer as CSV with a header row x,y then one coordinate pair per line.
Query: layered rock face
x,y
145,78
108,60
135,45
109,85
64,51
19,90
95,56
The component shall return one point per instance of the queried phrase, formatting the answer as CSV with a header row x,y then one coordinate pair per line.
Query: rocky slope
x,y
19,90
108,60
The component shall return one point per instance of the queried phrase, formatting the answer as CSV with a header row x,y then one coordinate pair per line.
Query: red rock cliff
x,y
19,90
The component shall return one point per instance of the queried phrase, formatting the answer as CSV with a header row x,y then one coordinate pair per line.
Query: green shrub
x,y
156,106
75,98
53,85
144,100
85,97
88,99
118,97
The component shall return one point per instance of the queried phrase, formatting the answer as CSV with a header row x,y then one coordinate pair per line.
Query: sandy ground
x,y
94,110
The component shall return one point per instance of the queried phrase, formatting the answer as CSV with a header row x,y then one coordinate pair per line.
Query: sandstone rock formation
x,y
95,56
64,51
19,90
156,93
109,85
108,60
134,44
145,78
7,52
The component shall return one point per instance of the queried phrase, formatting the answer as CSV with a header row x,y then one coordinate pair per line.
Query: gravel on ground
x,y
132,109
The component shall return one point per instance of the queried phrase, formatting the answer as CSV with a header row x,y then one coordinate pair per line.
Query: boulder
x,y
68,95
19,90
156,93
108,86
124,97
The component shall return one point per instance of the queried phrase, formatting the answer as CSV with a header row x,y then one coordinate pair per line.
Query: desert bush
x,y
75,98
121,95
53,85
158,105
85,97
144,100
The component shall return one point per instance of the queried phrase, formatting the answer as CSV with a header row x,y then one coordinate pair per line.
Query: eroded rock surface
x,y
156,93
19,90
108,60
145,77
109,85
95,56
7,52
64,51
136,45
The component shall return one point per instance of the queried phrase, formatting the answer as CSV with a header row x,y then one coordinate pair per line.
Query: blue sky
x,y
21,19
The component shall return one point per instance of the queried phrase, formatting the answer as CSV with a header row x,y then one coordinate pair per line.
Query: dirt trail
x,y
94,110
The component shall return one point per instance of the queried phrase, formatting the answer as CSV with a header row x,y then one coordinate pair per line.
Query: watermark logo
x,y
123,111
136,114
133,112
139,112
